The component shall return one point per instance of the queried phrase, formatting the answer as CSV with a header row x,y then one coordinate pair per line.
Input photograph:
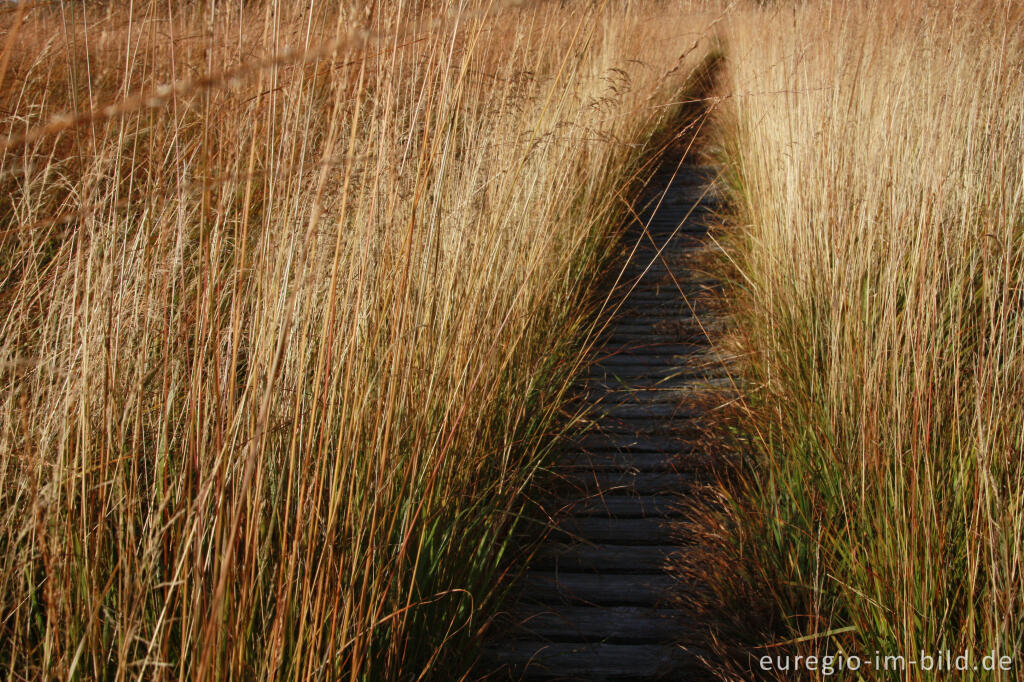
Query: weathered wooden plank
x,y
645,347
639,426
675,209
661,273
651,530
667,293
693,382
594,440
617,506
686,214
651,336
684,461
684,278
675,229
688,463
632,370
615,624
653,358
609,589
641,300
629,336
580,557
665,230
684,249
593,661
610,483
640,325
699,357
687,218
644,396
618,461
644,411
643,318
640,375
637,311
689,392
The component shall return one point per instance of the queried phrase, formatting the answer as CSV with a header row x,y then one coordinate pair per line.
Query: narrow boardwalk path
x,y
602,599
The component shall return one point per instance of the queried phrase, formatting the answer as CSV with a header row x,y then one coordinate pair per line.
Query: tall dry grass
x,y
280,341
877,168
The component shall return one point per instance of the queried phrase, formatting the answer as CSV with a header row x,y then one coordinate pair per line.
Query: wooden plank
x,y
683,380
617,624
649,295
593,661
638,310
620,336
642,318
650,530
586,483
688,216
610,460
640,328
693,385
618,461
644,346
661,410
692,391
601,462
694,193
639,322
686,279
651,373
670,364
683,250
618,506
668,227
588,558
628,442
681,239
640,426
654,359
618,589
637,376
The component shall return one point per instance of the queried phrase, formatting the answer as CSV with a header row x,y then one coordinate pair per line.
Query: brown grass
x,y
280,340
876,155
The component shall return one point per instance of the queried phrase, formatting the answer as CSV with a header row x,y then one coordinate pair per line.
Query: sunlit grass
x,y
280,343
876,162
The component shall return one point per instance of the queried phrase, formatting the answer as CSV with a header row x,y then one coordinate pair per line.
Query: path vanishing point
x,y
602,598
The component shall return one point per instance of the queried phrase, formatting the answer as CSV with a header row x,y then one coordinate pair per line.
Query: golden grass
x,y
279,342
876,164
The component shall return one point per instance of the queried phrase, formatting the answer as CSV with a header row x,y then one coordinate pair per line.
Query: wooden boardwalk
x,y
601,599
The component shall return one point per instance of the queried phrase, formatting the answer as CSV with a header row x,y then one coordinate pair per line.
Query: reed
x,y
874,156
282,339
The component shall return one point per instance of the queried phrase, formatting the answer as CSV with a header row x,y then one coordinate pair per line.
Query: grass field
x,y
875,160
288,302
291,297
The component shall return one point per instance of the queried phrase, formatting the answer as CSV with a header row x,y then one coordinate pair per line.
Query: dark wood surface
x,y
599,600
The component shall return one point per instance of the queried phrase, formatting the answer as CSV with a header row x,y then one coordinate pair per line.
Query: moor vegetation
x,y
876,160
287,301
291,296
